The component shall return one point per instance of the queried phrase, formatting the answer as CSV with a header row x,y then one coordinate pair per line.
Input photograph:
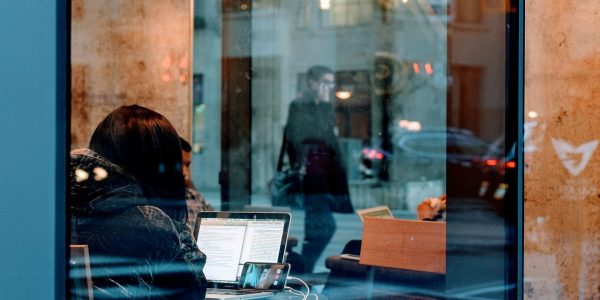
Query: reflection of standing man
x,y
313,148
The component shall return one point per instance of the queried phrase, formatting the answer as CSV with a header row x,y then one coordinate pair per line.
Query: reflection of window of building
x,y
439,7
305,13
257,4
468,11
342,13
353,104
465,96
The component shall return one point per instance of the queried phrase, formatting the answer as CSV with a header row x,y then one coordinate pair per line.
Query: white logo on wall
x,y
574,159
531,139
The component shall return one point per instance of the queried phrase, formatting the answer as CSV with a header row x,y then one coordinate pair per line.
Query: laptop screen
x,y
229,239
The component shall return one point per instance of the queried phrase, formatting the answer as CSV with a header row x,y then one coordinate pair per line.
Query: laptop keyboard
x,y
230,292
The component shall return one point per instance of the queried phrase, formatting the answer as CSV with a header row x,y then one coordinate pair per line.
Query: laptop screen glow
x,y
229,242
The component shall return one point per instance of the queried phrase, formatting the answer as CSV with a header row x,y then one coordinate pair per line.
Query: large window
x,y
418,111
380,106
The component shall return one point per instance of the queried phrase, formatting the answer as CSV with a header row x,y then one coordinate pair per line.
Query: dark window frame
x,y
63,128
514,132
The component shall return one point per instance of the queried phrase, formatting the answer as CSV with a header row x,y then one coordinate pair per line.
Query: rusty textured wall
x,y
129,52
562,130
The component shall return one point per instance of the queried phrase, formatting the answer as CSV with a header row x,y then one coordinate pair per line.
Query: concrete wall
x,y
562,164
130,52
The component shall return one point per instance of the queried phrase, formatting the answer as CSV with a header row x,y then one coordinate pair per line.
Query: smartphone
x,y
264,276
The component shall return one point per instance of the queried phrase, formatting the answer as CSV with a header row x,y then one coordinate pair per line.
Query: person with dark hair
x,y
314,150
127,203
144,143
186,154
194,200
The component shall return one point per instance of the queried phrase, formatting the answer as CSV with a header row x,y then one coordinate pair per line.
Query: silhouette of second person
x,y
314,150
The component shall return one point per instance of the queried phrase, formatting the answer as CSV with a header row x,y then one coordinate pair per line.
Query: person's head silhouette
x,y
145,144
321,82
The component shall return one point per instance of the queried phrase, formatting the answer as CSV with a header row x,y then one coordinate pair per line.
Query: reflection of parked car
x,y
371,161
427,153
496,160
457,145
494,165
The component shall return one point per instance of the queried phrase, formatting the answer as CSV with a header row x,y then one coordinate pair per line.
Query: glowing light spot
x,y
501,191
404,123
379,156
416,68
414,126
428,69
344,95
511,164
100,174
166,63
81,175
197,148
532,114
324,4
491,162
183,64
404,1
199,108
483,188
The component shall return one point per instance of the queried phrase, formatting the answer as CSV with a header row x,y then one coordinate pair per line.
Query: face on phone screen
x,y
264,276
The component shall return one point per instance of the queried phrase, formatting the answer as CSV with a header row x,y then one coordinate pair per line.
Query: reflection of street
x,y
476,241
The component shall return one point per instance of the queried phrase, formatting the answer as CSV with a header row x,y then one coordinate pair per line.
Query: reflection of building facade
x,y
290,36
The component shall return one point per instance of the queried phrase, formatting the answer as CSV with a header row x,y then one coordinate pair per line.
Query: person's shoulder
x,y
296,103
98,185
303,99
301,104
192,195
152,218
137,230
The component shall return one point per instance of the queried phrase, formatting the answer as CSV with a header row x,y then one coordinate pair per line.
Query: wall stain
x,y
562,67
119,44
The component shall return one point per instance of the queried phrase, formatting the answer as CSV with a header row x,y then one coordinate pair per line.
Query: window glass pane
x,y
394,108
410,111
468,11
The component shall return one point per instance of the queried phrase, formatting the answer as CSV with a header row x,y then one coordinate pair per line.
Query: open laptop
x,y
229,239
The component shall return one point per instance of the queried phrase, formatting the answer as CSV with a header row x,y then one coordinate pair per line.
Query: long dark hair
x,y
145,144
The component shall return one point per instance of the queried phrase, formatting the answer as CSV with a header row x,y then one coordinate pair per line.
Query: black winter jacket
x,y
136,250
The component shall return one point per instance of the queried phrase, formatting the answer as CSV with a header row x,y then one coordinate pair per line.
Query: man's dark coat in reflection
x,y
313,148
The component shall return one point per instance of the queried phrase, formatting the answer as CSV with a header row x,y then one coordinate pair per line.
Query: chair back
x,y
80,274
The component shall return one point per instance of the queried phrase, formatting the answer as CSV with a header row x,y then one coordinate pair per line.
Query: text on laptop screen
x,y
228,243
